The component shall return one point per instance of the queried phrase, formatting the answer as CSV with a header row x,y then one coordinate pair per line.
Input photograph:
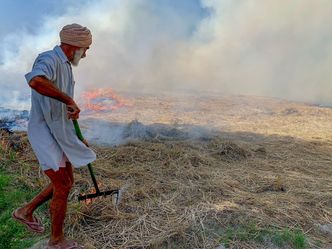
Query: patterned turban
x,y
76,35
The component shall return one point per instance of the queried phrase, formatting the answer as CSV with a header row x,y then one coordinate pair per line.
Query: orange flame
x,y
92,191
103,100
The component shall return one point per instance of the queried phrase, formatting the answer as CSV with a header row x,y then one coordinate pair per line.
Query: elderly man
x,y
51,132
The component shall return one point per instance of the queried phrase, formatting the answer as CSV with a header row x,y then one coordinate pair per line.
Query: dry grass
x,y
186,194
190,193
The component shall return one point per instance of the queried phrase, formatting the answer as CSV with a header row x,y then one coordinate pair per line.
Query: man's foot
x,y
65,244
31,222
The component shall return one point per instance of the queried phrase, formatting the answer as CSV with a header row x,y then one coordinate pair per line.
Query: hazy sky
x,y
273,47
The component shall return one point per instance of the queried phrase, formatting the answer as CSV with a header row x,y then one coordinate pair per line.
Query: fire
x,y
103,100
92,191
89,201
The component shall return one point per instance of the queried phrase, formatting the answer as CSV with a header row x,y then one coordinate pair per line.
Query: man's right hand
x,y
73,111
47,88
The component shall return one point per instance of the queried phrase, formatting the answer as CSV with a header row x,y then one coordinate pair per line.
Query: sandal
x,y
35,226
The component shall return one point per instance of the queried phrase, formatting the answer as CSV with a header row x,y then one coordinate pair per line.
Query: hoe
x,y
114,192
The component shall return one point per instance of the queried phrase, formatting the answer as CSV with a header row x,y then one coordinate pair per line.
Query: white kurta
x,y
50,133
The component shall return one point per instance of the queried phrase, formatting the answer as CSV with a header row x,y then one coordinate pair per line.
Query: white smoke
x,y
112,134
272,47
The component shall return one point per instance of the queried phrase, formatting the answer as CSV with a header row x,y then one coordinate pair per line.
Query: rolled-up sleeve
x,y
43,66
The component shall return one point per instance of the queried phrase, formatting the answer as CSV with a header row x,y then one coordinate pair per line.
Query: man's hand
x,y
73,110
47,88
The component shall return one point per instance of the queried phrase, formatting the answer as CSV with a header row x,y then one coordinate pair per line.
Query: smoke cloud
x,y
270,48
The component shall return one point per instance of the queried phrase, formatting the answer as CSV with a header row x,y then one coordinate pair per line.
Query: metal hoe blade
x,y
114,192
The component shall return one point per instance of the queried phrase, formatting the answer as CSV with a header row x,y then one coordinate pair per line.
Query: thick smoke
x,y
272,47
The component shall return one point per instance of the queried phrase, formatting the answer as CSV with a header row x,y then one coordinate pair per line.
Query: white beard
x,y
77,57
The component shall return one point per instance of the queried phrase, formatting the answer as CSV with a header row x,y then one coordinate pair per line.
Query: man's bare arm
x,y
47,88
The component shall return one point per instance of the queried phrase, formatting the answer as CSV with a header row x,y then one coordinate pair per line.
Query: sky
x,y
273,48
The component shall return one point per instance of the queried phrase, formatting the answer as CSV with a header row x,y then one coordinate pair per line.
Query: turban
x,y
76,35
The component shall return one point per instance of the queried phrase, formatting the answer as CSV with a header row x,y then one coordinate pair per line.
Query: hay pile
x,y
186,195
181,193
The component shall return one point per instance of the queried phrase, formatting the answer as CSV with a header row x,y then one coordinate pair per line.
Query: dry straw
x,y
186,194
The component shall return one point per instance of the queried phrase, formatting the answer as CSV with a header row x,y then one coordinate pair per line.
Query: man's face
x,y
79,53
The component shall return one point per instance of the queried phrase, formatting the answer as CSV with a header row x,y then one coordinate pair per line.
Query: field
x,y
199,172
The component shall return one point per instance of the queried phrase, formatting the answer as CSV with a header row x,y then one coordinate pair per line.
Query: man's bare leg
x,y
62,183
26,212
69,170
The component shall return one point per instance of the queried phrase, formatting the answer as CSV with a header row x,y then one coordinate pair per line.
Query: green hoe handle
x,y
78,130
80,136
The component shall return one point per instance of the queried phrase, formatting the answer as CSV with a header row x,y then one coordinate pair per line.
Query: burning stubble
x,y
103,100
